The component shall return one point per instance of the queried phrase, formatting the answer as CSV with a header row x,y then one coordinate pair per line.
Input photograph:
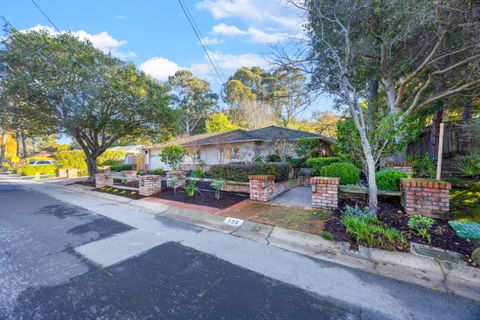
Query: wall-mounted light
x,y
264,184
314,187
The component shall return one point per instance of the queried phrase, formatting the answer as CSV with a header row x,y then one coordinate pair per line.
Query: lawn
x,y
306,220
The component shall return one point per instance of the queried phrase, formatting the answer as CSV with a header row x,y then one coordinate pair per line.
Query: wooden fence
x,y
455,141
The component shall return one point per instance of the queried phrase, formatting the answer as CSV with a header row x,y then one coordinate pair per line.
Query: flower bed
x,y
203,198
391,214
131,194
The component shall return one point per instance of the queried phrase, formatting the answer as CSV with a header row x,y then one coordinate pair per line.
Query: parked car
x,y
41,162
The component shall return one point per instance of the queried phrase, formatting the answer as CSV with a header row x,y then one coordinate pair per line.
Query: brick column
x,y
427,197
400,166
325,192
101,180
72,173
61,172
149,184
262,187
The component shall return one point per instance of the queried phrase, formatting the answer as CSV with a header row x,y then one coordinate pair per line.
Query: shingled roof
x,y
266,134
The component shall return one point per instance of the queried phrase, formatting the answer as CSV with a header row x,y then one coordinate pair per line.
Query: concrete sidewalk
x,y
158,228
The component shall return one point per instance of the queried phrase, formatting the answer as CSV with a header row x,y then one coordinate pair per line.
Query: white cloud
x,y
254,35
120,17
212,41
227,64
159,68
258,11
102,41
227,30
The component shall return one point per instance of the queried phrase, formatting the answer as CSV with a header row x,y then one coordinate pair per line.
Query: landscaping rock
x,y
446,255
476,256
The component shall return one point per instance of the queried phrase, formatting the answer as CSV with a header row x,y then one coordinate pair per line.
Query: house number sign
x,y
233,221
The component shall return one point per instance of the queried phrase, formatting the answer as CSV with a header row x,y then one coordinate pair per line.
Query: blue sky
x,y
156,36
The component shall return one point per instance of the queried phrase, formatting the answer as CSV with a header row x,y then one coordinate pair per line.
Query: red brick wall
x,y
426,197
400,166
264,188
303,181
326,193
237,187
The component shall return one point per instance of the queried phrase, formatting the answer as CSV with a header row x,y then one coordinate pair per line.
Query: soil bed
x,y
131,184
120,192
392,214
204,198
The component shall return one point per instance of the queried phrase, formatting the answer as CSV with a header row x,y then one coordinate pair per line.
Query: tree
x,y
325,123
172,156
60,84
219,122
192,98
408,46
255,114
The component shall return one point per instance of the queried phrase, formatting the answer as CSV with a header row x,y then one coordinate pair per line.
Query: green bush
x,y
421,224
389,179
347,172
172,156
121,167
321,162
42,169
75,159
298,163
240,171
198,173
111,158
273,158
157,171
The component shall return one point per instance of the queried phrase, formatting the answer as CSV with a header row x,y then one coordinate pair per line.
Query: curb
x,y
429,272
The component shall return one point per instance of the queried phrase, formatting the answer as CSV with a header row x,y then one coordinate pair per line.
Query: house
x,y
234,146
131,153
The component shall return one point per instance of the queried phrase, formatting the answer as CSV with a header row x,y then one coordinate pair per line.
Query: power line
x,y
197,32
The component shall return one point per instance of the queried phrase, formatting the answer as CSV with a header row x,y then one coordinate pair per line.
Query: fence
x,y
456,141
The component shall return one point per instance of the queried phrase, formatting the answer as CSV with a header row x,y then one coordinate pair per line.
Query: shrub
x,y
198,173
191,188
257,159
423,167
241,171
371,232
468,165
172,156
42,169
327,235
298,163
111,158
121,167
157,171
421,224
218,185
321,162
347,172
308,147
389,179
75,159
273,158
304,172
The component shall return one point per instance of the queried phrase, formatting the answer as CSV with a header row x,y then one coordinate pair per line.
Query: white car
x,y
41,162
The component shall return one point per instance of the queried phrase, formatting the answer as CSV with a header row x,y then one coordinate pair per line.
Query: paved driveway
x,y
186,272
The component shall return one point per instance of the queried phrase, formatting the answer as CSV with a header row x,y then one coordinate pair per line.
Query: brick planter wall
x,y
101,180
303,181
326,192
180,175
232,186
149,184
264,188
426,197
400,166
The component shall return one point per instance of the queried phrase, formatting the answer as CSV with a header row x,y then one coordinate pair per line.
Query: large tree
x,y
192,98
60,84
409,47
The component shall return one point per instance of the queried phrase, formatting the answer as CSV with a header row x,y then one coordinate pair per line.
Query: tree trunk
x,y
2,148
24,143
435,132
372,91
17,142
466,125
372,182
92,166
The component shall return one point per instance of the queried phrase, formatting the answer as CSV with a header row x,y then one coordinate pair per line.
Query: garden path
x,y
297,197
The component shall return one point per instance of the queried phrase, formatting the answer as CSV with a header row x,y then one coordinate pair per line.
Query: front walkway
x,y
297,197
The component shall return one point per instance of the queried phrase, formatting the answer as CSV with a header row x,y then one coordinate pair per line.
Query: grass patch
x,y
465,202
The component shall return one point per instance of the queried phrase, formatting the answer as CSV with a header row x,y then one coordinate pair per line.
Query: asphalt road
x,y
42,277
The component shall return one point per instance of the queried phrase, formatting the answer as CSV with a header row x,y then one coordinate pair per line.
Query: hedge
x,y
321,162
121,167
347,172
75,159
42,169
389,179
240,171
298,162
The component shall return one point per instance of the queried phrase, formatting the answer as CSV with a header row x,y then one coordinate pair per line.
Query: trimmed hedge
x,y
389,179
121,167
42,169
347,172
240,171
321,162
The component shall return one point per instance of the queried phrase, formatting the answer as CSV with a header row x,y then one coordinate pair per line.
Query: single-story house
x,y
131,153
234,146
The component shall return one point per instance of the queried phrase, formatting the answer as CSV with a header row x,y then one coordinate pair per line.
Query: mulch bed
x,y
203,198
392,214
131,184
126,194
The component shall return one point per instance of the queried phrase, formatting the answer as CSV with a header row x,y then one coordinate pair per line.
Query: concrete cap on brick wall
x,y
325,180
426,183
261,177
398,164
